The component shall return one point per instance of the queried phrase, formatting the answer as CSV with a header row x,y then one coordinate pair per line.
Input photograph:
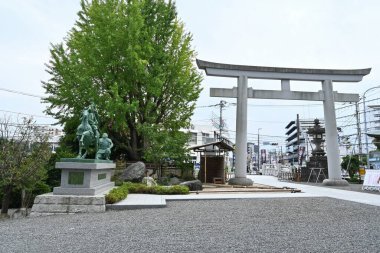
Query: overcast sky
x,y
341,34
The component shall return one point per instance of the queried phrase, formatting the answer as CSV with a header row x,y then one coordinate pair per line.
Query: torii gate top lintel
x,y
260,72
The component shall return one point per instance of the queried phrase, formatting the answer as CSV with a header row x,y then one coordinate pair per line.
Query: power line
x,y
21,93
260,134
353,104
264,105
20,124
39,116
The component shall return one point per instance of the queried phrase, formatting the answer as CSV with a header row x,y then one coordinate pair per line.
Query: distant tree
x,y
53,174
167,146
351,164
24,153
134,60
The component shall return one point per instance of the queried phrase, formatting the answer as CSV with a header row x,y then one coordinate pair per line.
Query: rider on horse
x,y
93,119
88,135
87,131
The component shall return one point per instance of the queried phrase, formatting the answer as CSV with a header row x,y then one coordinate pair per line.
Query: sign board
x,y
301,153
372,180
263,156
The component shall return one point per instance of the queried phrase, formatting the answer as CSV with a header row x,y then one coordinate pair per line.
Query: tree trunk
x,y
133,152
132,155
7,191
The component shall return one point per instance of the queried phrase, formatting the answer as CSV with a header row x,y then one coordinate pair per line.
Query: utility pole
x,y
298,137
359,132
222,104
258,146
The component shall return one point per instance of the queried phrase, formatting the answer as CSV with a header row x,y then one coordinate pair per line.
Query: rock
x,y
163,181
149,172
134,172
149,181
194,185
174,181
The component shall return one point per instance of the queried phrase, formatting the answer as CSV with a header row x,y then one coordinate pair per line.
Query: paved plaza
x,y
290,223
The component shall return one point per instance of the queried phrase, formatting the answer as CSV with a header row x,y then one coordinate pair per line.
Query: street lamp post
x,y
365,123
258,147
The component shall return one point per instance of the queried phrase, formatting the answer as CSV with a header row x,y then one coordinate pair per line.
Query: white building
x,y
54,134
200,134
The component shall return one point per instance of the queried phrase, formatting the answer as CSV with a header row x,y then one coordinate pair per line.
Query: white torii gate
x,y
327,95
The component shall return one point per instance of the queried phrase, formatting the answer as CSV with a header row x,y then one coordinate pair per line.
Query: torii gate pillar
x,y
332,145
241,135
327,95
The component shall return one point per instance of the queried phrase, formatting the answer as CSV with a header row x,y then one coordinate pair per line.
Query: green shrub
x,y
171,190
179,189
117,194
354,179
160,190
121,192
40,188
118,182
351,164
137,187
54,175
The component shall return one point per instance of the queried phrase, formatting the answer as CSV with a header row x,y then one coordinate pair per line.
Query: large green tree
x,y
23,156
134,59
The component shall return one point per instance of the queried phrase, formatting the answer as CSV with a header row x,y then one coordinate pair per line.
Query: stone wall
x,y
49,204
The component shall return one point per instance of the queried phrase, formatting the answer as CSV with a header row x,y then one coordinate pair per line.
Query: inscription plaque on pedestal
x,y
76,178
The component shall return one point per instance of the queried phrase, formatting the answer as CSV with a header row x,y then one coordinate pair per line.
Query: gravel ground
x,y
245,225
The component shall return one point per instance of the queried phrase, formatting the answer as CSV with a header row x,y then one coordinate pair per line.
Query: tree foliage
x,y
53,178
351,163
135,61
24,152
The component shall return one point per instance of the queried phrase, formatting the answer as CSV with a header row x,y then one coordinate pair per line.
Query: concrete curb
x,y
131,207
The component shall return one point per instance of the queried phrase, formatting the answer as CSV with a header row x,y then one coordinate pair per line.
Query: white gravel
x,y
245,225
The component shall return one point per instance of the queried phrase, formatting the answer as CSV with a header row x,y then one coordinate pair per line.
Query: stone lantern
x,y
318,158
317,134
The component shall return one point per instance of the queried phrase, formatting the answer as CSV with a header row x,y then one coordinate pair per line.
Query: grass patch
x,y
121,192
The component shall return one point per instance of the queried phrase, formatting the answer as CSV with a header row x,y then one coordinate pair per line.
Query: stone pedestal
x,y
315,162
335,182
87,177
84,183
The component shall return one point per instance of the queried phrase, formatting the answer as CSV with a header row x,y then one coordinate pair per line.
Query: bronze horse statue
x,y
85,135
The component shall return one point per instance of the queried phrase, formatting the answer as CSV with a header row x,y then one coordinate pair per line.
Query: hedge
x,y
121,192
117,194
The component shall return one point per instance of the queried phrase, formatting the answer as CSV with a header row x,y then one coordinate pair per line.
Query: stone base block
x,y
83,191
49,204
335,182
240,181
